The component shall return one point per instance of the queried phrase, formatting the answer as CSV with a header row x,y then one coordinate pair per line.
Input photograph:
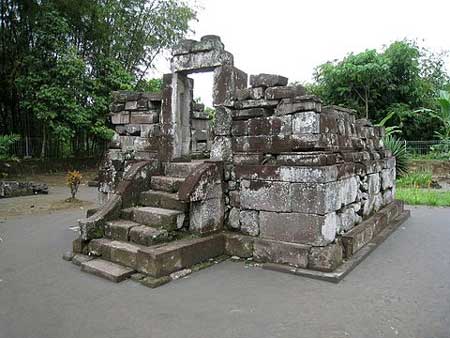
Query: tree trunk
x,y
44,140
366,101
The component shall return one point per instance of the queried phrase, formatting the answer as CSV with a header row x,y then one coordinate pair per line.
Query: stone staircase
x,y
145,238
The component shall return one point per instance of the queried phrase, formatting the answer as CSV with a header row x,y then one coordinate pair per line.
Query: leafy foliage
x,y
61,59
73,181
401,79
398,149
5,143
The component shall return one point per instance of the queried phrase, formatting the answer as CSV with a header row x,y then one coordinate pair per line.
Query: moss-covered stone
x,y
152,282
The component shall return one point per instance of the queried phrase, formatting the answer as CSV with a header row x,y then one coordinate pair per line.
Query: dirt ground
x,y
54,201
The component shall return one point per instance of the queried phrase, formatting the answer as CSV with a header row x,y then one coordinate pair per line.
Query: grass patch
x,y
416,196
417,179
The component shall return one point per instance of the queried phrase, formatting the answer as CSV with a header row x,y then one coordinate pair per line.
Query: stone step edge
x,y
345,268
371,225
95,267
161,259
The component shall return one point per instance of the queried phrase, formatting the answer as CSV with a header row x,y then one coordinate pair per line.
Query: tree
x,y
356,79
60,60
401,78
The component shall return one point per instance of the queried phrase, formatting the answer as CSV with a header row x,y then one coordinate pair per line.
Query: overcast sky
x,y
291,37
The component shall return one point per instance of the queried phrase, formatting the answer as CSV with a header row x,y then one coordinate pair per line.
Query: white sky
x,y
291,37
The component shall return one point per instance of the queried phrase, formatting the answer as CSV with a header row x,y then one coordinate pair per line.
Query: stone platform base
x,y
158,264
348,265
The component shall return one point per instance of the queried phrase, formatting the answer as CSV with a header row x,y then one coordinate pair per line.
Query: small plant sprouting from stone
x,y
73,181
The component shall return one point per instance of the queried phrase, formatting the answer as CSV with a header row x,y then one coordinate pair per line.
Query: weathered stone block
x,y
118,230
310,158
288,173
244,114
298,227
276,93
120,118
207,42
239,128
249,220
227,79
238,245
149,130
250,93
298,104
79,246
306,123
261,103
267,80
111,271
388,196
200,135
129,129
200,115
387,178
221,149
143,118
265,195
233,219
235,201
206,60
247,158
207,216
322,198
222,124
146,235
123,253
115,142
281,252
100,247
348,217
131,105
326,258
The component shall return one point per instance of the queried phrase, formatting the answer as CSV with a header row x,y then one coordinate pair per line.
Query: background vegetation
x,y
60,60
403,78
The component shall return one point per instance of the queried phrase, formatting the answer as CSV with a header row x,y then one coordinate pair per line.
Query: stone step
x,y
158,261
166,183
146,235
106,269
119,229
181,169
162,199
155,217
161,259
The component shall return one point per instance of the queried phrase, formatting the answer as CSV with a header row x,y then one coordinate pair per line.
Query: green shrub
x,y
398,149
5,145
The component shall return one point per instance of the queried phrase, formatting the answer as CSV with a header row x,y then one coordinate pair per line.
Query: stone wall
x,y
299,175
136,121
15,188
200,129
304,184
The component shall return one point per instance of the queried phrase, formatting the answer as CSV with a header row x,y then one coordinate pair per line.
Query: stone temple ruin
x,y
287,182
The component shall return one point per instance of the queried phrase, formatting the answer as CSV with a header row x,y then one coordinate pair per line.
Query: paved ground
x,y
54,201
401,290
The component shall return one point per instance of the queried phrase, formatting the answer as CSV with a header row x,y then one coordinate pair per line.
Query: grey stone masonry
x,y
302,173
289,181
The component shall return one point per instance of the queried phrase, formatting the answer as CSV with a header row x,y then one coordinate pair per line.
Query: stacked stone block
x,y
299,175
135,118
200,129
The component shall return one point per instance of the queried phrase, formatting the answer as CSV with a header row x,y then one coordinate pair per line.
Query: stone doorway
x,y
206,55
